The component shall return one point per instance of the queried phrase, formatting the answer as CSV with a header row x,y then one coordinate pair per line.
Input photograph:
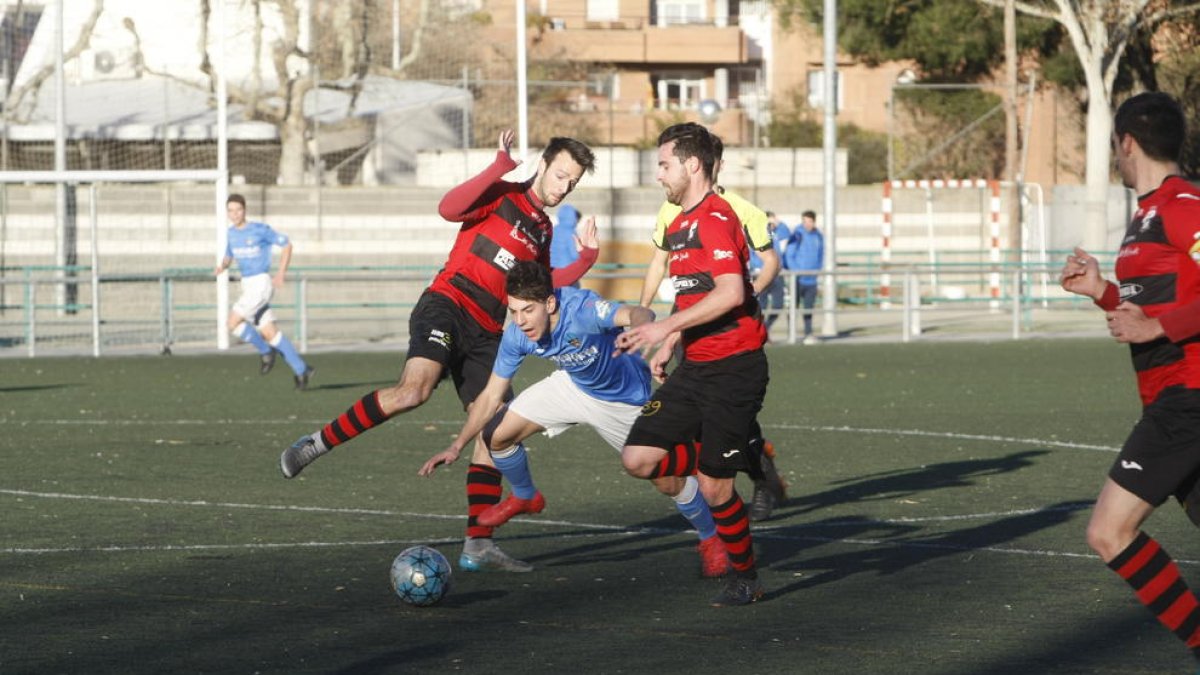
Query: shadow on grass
x,y
902,483
899,554
38,387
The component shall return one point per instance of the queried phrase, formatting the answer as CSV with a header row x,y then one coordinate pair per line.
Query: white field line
x,y
457,423
596,528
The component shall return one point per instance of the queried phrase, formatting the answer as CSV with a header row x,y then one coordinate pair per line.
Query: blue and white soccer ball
x,y
421,575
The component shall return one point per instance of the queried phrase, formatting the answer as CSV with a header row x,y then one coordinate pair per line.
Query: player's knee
x,y
1105,540
491,440
637,463
403,397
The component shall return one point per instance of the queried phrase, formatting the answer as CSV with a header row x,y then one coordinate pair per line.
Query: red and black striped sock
x,y
1155,579
680,461
363,415
483,490
733,526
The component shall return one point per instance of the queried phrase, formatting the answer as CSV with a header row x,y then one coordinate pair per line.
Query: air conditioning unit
x,y
108,64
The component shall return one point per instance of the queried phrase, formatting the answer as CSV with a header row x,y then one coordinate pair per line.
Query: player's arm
x,y
1129,323
654,276
728,292
225,263
478,414
285,259
588,246
461,203
770,269
632,316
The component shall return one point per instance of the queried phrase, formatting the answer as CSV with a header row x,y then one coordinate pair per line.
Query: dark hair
x,y
692,140
809,214
529,280
770,214
235,198
578,150
1156,122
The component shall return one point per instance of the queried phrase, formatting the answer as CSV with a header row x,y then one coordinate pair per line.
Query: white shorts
x,y
254,303
557,404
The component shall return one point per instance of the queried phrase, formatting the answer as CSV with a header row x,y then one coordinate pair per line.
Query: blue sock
x,y
515,467
289,352
691,504
246,333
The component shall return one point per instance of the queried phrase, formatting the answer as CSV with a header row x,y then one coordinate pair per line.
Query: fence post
x,y
1016,304
167,310
302,304
30,315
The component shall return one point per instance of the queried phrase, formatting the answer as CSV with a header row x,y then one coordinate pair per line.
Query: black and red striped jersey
x,y
704,243
1158,268
506,227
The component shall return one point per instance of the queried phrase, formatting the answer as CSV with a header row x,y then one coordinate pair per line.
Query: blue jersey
x,y
582,345
250,245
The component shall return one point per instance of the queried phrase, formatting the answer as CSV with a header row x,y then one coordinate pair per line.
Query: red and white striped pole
x,y
994,249
885,254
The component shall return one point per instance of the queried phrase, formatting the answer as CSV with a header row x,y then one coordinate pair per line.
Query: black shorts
x,y
1161,457
713,400
441,331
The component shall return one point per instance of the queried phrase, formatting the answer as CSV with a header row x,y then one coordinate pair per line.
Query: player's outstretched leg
x,y
303,371
246,333
525,498
363,415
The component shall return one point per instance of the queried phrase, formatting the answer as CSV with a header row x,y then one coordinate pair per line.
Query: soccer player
x,y
1155,307
455,327
719,387
576,329
251,318
770,489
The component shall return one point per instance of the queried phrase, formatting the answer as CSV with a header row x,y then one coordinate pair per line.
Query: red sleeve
x,y
459,203
724,245
1111,297
565,276
1182,322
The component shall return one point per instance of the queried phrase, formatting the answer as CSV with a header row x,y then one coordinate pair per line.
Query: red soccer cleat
x,y
497,515
714,561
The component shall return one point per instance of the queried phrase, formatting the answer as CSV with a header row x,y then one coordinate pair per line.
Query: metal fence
x,y
175,310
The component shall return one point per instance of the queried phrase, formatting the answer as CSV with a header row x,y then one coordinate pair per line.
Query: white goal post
x,y
93,179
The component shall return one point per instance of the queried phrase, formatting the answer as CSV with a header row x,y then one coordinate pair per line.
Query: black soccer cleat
x,y
267,363
737,590
303,378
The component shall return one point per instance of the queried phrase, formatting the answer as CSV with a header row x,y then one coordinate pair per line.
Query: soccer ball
x,y
421,575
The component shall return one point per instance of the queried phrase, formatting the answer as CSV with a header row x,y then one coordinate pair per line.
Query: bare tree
x,y
1100,31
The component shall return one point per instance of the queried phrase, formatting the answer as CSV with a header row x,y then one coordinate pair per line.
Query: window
x,y
679,12
816,89
679,91
603,10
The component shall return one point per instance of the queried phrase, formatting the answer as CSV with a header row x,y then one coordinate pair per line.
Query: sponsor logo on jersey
x,y
519,235
684,283
730,453
1148,219
504,259
1131,290
574,341
716,214
603,308
440,338
1132,251
721,254
1126,464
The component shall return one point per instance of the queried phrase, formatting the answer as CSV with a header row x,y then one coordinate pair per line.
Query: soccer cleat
x,y
763,503
499,514
302,378
714,561
482,554
812,340
737,590
301,453
267,362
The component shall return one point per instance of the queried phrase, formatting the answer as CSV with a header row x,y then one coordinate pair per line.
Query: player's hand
x,y
1128,323
658,363
446,457
589,238
506,140
1081,275
217,271
277,281
642,337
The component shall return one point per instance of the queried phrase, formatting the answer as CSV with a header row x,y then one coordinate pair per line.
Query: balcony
x,y
619,42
